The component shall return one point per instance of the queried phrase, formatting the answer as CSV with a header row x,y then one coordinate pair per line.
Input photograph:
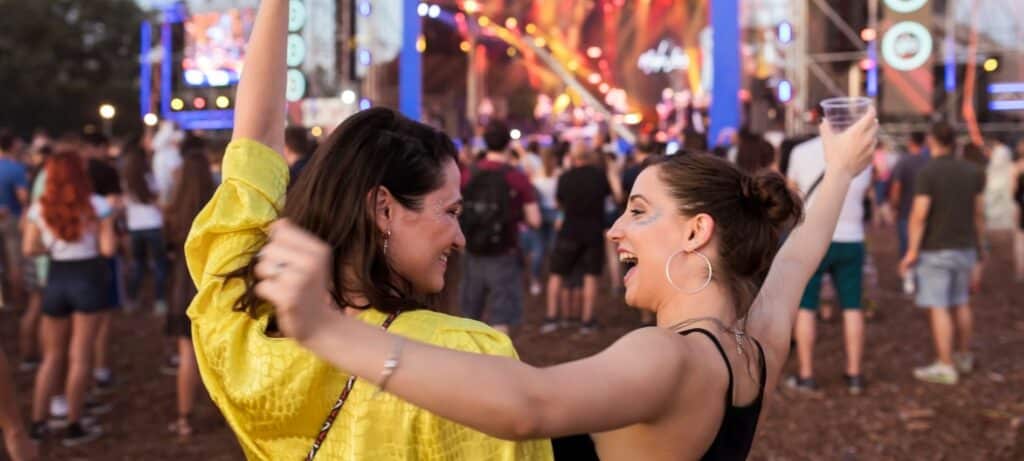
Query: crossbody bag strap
x,y
340,403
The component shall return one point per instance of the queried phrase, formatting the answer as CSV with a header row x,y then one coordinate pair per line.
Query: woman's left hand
x,y
293,272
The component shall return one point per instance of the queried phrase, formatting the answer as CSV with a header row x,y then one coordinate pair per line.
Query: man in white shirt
x,y
844,261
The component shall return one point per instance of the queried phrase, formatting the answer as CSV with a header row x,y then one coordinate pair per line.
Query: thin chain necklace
x,y
739,334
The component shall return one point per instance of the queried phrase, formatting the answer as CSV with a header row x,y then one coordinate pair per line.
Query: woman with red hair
x,y
75,228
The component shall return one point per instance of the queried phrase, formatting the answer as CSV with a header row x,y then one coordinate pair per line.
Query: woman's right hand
x,y
851,151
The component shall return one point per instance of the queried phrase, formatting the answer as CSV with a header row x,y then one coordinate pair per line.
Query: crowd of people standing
x,y
86,220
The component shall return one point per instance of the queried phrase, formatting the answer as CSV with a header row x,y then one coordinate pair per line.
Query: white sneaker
x,y
938,373
964,362
59,407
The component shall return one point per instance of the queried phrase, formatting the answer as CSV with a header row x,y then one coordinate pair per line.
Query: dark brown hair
x,y
754,154
136,173
373,148
193,188
750,214
943,133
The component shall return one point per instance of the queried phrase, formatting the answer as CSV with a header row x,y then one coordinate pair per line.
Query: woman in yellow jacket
x,y
384,192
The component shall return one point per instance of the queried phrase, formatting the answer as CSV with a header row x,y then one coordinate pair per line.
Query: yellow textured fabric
x,y
275,394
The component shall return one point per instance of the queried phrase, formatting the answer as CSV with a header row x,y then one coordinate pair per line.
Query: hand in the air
x,y
851,151
294,272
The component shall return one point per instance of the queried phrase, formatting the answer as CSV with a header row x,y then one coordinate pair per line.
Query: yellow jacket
x,y
275,394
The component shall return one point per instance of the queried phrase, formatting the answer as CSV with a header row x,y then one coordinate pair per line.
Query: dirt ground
x,y
897,418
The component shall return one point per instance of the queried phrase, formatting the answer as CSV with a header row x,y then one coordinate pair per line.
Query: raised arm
x,y
260,102
495,395
774,312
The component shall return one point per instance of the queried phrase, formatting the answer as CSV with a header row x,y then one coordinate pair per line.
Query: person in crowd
x,y
296,150
144,221
612,165
13,198
75,227
166,147
105,182
535,242
192,189
384,190
883,165
947,227
581,193
498,198
1000,178
901,193
642,151
34,275
844,262
20,447
754,154
701,238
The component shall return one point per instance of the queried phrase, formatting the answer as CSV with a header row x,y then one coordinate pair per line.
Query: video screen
x,y
215,47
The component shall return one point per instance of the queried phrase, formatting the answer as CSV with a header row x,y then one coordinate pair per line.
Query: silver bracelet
x,y
391,364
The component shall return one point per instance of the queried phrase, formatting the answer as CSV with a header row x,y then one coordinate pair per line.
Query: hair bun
x,y
769,193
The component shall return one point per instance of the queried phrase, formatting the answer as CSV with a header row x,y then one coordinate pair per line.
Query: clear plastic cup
x,y
843,112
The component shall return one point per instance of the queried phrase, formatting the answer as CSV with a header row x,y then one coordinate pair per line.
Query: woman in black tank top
x,y
700,238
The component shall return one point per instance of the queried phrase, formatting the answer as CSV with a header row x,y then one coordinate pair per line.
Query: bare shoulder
x,y
667,348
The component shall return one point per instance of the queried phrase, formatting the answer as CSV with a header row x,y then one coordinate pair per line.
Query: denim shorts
x,y
944,277
76,287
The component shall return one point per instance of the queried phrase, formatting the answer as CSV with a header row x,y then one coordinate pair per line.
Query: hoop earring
x,y
387,238
668,274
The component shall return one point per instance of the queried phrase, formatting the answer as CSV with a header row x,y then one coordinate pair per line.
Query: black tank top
x,y
736,434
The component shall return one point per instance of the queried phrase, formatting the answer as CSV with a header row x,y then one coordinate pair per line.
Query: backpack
x,y
485,212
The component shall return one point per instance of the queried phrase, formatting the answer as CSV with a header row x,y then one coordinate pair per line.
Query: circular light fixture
x,y
150,119
177,104
295,88
296,51
348,96
222,102
907,45
296,15
107,111
991,64
594,52
199,103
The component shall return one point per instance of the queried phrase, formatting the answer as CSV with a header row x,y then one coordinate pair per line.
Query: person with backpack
x,y
497,198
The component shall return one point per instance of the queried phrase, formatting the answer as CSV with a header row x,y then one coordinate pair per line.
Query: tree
x,y
61,59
